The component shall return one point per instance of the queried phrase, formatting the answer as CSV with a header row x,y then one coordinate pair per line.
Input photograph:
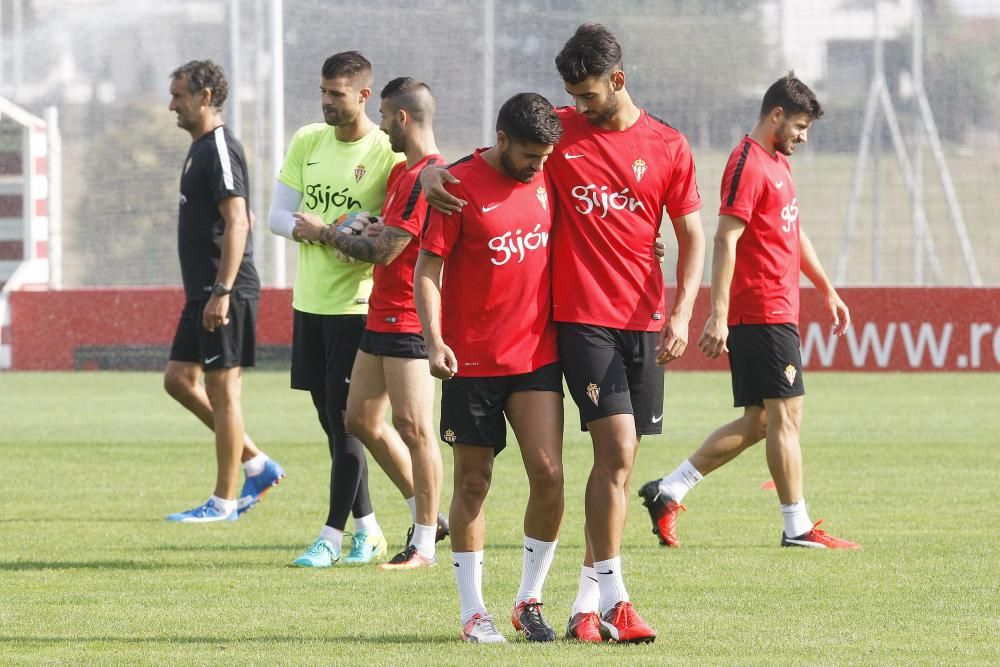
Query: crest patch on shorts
x,y
594,392
790,372
449,436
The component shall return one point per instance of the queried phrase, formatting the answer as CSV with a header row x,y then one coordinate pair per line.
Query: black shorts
x,y
765,362
323,350
472,408
402,345
613,372
229,346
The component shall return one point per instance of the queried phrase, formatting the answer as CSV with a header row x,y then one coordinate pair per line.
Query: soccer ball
x,y
355,224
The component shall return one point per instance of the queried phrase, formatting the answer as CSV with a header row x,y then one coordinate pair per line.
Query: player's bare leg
x,y
473,474
182,380
615,447
784,453
663,497
223,388
366,406
411,395
537,420
727,442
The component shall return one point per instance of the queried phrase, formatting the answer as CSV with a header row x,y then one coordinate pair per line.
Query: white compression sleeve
x,y
285,202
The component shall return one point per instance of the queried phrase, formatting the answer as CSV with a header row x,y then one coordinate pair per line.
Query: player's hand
x,y
839,312
216,312
374,230
714,336
659,250
442,360
308,227
432,180
674,341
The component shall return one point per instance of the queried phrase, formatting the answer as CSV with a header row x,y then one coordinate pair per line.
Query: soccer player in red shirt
x,y
391,365
483,292
760,247
615,172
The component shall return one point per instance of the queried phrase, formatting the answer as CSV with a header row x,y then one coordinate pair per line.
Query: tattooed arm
x,y
382,249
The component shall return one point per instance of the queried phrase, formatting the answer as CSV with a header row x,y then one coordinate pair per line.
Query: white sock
x,y
411,502
423,539
534,568
588,594
227,506
796,519
333,536
679,482
255,466
609,580
367,523
468,566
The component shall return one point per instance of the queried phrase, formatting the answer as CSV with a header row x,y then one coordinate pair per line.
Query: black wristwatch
x,y
218,289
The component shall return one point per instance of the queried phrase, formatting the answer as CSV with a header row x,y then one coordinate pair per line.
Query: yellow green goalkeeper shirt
x,y
335,177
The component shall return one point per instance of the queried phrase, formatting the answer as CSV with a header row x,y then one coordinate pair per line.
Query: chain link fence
x,y
702,65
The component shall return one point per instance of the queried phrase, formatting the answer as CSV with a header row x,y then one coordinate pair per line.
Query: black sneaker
x,y
527,619
442,531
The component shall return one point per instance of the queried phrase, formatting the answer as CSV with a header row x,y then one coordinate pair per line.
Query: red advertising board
x,y
894,329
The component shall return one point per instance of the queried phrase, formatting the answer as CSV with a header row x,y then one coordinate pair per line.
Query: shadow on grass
x,y
226,641
21,565
295,547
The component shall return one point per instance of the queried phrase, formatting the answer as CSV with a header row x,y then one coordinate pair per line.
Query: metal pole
x,y
879,73
854,203
917,193
277,128
17,16
489,66
54,140
257,176
235,112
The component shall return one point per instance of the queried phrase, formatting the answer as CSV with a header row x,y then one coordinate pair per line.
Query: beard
x,y
336,117
524,175
608,112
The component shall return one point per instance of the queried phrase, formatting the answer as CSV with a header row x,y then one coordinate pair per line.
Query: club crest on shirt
x,y
359,173
594,393
543,198
187,165
639,168
449,436
790,372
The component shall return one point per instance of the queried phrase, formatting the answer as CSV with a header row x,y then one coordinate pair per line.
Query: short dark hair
x,y
202,74
348,64
415,97
529,117
591,51
793,96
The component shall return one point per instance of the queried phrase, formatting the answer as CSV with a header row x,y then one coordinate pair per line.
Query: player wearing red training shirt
x,y
613,174
488,326
391,365
760,248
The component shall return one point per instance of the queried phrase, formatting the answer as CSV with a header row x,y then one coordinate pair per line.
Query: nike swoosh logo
x,y
570,156
454,563
608,572
657,420
309,164
806,543
779,184
594,579
529,549
211,359
487,209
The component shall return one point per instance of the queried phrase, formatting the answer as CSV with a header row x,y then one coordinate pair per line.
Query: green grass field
x,y
91,574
